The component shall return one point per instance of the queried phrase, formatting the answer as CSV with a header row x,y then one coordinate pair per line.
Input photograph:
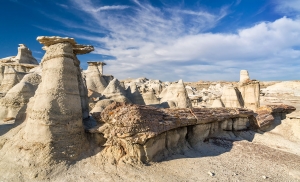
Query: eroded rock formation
x,y
55,117
176,93
14,68
18,96
51,131
94,79
144,133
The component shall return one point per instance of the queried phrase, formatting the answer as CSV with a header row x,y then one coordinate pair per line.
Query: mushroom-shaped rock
x,y
55,113
77,48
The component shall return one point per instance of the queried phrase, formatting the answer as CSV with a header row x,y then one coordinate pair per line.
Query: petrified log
x,y
147,134
137,123
266,114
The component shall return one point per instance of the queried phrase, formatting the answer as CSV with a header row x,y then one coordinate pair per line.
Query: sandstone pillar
x,y
54,115
94,78
100,67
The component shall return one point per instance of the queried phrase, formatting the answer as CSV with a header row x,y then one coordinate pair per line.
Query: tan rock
x,y
24,55
231,97
55,113
150,98
217,103
177,93
250,92
19,96
94,78
146,134
115,91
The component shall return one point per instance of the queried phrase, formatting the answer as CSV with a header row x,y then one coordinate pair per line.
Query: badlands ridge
x,y
61,123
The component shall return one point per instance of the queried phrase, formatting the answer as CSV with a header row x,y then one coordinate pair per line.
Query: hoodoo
x,y
55,112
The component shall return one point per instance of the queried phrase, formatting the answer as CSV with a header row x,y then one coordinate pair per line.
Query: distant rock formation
x,y
13,69
176,93
19,95
24,56
115,91
93,76
250,91
231,97
244,76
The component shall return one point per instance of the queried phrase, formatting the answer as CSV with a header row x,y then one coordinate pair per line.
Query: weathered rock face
x,y
94,79
176,93
250,92
143,132
217,103
266,115
54,114
150,98
115,91
24,55
134,94
12,69
231,97
19,96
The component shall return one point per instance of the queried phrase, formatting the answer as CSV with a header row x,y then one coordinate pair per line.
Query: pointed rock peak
x,y
180,81
24,55
114,86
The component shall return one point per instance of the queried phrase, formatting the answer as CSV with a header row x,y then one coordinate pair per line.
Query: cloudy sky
x,y
166,39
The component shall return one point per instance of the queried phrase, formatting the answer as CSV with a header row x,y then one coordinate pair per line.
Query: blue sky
x,y
166,39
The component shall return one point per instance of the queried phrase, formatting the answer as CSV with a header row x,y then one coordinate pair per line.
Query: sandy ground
x,y
226,161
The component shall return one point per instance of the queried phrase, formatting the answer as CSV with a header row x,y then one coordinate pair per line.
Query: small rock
x,y
211,173
265,177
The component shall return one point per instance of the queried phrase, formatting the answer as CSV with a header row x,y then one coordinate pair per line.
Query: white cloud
x,y
103,8
171,43
288,7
